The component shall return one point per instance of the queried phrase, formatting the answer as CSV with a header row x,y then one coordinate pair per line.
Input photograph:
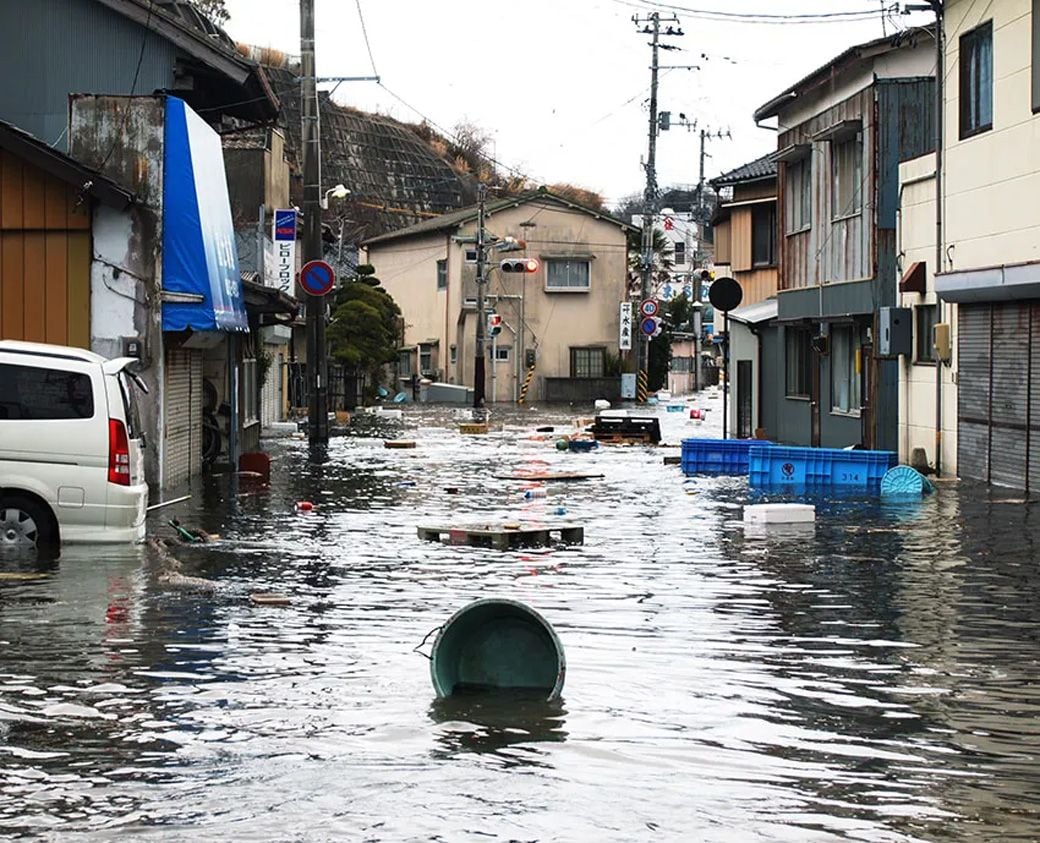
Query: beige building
x,y
563,320
988,286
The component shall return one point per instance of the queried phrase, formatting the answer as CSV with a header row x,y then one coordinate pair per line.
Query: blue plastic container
x,y
780,468
717,456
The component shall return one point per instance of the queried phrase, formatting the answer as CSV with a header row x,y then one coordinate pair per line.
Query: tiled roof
x,y
760,168
446,222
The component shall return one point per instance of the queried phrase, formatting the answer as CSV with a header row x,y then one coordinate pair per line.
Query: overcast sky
x,y
563,86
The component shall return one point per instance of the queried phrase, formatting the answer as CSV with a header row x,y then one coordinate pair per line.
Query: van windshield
x,y
133,420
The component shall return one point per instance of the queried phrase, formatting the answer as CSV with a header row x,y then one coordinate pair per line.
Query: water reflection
x,y
872,679
503,724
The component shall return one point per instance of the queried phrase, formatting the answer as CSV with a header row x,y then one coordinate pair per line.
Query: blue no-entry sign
x,y
317,278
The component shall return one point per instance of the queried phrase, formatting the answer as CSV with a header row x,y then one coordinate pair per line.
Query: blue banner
x,y
199,256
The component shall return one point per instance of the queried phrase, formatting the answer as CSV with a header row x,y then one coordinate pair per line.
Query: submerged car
x,y
71,448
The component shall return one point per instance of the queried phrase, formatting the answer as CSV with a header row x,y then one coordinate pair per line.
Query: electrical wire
x,y
364,31
133,88
755,17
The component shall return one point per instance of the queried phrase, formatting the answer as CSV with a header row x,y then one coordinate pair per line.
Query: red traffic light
x,y
519,265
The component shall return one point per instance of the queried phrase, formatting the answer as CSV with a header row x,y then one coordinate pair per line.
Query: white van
x,y
71,448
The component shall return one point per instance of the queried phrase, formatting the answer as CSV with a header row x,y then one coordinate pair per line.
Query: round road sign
x,y
725,294
648,307
317,278
648,326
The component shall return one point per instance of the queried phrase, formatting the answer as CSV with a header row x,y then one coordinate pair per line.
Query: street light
x,y
340,191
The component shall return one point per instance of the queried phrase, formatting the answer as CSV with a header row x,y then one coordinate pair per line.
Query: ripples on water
x,y
875,681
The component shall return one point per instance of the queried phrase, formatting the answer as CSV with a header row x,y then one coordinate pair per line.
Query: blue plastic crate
x,y
780,468
717,456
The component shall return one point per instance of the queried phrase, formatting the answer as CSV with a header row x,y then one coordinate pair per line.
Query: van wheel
x,y
25,525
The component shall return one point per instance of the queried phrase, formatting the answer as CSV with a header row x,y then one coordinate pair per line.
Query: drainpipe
x,y
939,118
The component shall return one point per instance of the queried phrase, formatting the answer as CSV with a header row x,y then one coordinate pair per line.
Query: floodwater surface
x,y
874,680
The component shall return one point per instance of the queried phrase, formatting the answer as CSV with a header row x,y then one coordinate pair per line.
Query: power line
x,y
364,31
133,88
756,17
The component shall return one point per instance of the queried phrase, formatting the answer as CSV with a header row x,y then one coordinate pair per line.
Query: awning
x,y
755,314
201,285
995,283
269,305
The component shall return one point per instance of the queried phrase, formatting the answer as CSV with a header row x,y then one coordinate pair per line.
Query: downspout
x,y
939,118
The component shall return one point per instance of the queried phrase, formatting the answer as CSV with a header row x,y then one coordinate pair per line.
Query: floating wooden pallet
x,y
503,537
399,443
541,476
618,439
473,428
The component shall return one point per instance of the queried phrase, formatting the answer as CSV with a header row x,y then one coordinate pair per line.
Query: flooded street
x,y
878,682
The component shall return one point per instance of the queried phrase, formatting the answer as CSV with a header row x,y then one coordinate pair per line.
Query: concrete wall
x,y
126,267
916,238
992,180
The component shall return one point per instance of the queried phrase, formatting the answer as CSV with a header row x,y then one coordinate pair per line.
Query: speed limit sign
x,y
649,307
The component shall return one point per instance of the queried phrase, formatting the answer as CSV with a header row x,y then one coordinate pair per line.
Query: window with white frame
x,y
425,358
846,177
798,199
502,353
571,274
679,258
846,369
250,412
442,275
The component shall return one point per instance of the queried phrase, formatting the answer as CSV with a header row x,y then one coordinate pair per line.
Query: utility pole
x,y
651,26
940,100
317,367
478,356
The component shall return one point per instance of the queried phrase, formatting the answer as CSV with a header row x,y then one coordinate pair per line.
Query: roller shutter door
x,y
182,402
271,394
998,437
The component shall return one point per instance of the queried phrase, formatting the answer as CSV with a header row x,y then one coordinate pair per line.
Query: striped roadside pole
x,y
641,390
526,385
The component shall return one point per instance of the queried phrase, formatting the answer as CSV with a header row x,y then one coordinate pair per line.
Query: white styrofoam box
x,y
601,404
779,513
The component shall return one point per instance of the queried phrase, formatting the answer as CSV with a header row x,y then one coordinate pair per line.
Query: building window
x,y
567,274
976,88
846,177
471,256
845,370
249,392
425,359
799,195
763,235
502,353
588,362
925,316
798,343
679,258
404,363
442,275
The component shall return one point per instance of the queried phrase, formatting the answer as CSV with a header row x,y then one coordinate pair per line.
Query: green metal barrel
x,y
496,645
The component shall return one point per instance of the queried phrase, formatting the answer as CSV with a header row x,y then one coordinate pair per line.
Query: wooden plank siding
x,y
831,250
740,239
723,250
45,253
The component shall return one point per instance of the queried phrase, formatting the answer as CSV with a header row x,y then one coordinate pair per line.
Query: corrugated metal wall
x,y
841,250
90,49
44,257
182,406
998,412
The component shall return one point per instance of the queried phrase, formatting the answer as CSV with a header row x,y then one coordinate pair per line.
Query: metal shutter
x,y
271,394
182,403
973,398
1009,340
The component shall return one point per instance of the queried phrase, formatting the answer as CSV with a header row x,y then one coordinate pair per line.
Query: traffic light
x,y
519,265
494,324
